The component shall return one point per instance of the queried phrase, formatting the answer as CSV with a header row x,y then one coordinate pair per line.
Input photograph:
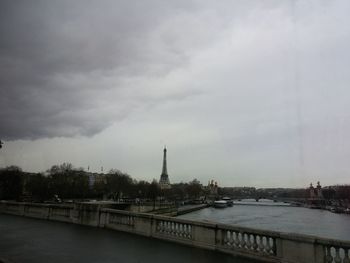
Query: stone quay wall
x,y
266,246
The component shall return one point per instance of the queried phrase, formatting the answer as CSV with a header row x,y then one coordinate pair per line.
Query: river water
x,y
27,240
279,217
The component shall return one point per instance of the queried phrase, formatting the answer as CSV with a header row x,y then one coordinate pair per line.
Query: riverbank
x,y
190,208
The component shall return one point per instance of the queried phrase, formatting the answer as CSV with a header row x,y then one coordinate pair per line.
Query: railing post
x,y
319,253
279,250
218,236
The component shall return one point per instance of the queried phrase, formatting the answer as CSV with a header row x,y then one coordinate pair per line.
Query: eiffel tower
x,y
164,182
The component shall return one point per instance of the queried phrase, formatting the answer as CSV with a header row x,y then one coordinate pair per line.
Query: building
x,y
316,199
212,189
164,182
315,193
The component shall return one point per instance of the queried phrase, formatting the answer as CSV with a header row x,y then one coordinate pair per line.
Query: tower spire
x,y
164,177
164,170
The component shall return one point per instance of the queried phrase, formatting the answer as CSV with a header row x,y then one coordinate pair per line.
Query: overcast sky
x,y
252,93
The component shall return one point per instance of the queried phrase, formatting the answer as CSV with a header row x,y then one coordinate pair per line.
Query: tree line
x,y
68,182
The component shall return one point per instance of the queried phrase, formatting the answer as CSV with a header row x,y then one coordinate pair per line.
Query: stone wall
x,y
267,246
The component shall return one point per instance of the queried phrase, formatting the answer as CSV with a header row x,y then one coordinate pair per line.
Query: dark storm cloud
x,y
62,62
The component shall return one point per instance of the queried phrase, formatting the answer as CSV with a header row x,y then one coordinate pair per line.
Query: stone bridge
x,y
266,246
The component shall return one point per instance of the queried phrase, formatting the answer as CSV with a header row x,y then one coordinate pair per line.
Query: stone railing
x,y
250,241
335,251
266,246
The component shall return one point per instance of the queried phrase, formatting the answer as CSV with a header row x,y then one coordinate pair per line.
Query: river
x,y
279,217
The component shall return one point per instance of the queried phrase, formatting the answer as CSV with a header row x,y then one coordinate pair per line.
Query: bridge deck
x,y
28,240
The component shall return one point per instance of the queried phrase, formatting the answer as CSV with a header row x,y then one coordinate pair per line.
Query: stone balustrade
x,y
250,241
335,251
266,246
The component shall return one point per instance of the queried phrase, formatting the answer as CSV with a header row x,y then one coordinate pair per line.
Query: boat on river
x,y
228,200
220,204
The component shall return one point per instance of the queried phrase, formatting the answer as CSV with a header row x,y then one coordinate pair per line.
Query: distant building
x,y
164,182
213,189
96,178
315,193
316,199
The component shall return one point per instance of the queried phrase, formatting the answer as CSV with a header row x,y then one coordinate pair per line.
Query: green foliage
x,y
194,189
119,184
68,182
153,190
38,186
11,183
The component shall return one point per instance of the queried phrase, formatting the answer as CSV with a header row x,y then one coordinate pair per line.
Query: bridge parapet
x,y
267,246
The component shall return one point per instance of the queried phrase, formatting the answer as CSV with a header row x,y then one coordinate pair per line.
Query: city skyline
x,y
251,94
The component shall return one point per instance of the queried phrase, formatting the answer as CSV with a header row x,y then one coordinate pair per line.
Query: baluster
x,y
274,246
185,231
168,227
160,226
176,230
171,228
173,231
328,257
226,235
261,244
243,240
337,258
165,230
346,256
230,239
181,230
268,246
255,244
190,231
249,244
236,239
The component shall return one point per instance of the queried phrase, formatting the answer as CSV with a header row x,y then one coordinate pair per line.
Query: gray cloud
x,y
66,67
